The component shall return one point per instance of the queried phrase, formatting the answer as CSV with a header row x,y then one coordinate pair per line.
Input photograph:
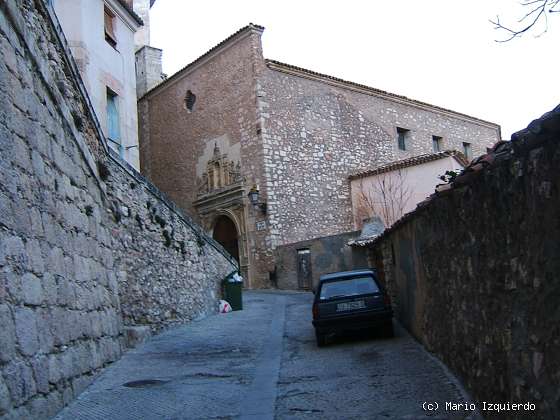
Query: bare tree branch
x,y
537,14
386,197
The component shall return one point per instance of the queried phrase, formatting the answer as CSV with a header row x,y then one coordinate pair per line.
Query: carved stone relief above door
x,y
220,173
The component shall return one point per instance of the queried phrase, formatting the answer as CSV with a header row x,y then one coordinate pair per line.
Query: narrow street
x,y
263,363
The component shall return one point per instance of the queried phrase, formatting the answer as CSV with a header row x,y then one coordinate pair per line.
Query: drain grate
x,y
144,383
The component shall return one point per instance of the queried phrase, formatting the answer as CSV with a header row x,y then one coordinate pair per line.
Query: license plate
x,y
349,306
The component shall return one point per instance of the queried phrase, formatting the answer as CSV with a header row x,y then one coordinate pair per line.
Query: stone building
x,y
232,122
92,256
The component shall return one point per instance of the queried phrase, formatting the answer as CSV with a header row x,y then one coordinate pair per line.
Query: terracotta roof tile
x,y
545,128
412,161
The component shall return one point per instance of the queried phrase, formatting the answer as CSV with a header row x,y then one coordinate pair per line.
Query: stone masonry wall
x,y
298,138
317,131
168,269
174,140
326,255
74,268
474,273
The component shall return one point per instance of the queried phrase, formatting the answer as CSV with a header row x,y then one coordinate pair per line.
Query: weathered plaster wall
x,y
148,69
474,274
317,132
413,183
327,255
102,66
142,9
81,256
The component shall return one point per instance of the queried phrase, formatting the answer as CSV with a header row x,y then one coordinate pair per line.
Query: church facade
x,y
259,152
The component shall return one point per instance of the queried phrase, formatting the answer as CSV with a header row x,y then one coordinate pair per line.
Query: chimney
x,y
142,9
148,69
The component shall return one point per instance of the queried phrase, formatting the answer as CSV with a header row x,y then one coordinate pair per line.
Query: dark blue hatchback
x,y
350,300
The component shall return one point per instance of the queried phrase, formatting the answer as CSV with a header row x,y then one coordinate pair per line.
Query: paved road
x,y
262,363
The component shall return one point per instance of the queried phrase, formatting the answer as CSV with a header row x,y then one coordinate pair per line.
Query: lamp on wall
x,y
254,199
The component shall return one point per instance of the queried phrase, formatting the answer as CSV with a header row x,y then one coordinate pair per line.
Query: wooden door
x,y
304,268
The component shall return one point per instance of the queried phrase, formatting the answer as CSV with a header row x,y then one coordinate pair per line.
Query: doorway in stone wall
x,y
225,233
304,268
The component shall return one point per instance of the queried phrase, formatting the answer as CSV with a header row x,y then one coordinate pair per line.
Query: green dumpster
x,y
233,287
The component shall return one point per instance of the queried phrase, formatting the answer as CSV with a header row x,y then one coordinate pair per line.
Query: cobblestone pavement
x,y
262,363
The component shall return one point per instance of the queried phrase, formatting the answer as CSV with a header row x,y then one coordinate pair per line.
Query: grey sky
x,y
439,51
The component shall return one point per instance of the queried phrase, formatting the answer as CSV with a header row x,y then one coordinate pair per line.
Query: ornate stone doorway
x,y
220,204
226,234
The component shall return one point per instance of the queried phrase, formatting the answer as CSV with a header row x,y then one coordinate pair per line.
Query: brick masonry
x,y
300,135
173,142
474,273
88,248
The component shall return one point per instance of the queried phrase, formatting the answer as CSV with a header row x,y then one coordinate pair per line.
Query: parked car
x,y
351,300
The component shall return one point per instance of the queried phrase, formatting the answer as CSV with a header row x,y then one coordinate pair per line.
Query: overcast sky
x,y
438,51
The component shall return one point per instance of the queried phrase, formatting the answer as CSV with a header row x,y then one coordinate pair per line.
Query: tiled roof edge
x,y
412,161
539,131
250,26
277,65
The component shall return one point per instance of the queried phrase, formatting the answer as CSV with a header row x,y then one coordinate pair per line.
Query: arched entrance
x,y
225,233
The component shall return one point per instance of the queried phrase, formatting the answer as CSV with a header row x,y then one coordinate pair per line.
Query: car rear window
x,y
348,287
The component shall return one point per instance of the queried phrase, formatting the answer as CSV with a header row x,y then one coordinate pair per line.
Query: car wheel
x,y
388,330
321,339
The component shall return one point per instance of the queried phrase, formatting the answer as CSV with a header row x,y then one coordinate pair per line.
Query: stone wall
x,y
296,134
317,130
177,143
77,240
474,272
168,269
326,255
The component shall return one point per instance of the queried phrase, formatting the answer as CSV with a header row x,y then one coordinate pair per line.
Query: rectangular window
x,y
110,28
402,134
348,287
436,143
113,123
467,150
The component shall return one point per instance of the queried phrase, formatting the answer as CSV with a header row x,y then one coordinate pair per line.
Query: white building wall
x,y
420,180
103,66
